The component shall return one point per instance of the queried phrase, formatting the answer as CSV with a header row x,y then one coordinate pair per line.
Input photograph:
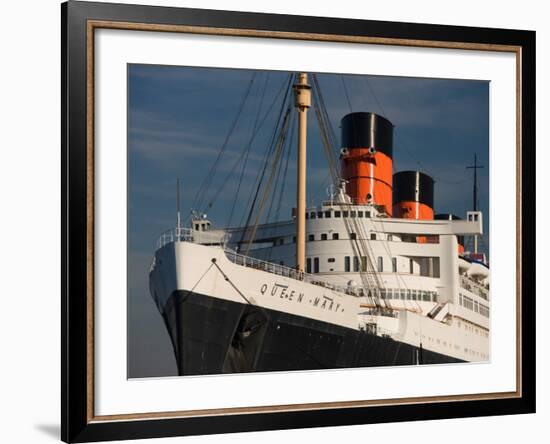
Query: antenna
x,y
475,167
178,223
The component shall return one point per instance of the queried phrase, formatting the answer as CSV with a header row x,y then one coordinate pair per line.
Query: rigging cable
x,y
404,147
245,151
386,243
359,244
346,92
205,185
291,344
279,187
255,128
267,187
261,172
282,184
369,86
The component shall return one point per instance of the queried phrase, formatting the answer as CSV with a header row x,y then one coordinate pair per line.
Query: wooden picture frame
x,y
79,22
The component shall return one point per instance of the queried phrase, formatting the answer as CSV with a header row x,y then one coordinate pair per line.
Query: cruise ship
x,y
370,276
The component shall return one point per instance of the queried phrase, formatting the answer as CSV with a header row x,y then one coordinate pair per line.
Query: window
x,y
345,213
353,214
390,237
389,292
353,236
363,263
409,295
307,215
319,214
383,293
367,213
337,214
394,264
324,236
335,236
403,294
411,266
316,265
346,264
327,214
293,239
311,237
373,236
414,295
308,265
281,241
313,215
483,310
355,263
359,214
331,260
380,264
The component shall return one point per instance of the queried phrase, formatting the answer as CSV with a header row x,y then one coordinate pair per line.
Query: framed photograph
x,y
277,221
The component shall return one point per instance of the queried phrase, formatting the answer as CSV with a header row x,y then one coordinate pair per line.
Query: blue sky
x,y
179,117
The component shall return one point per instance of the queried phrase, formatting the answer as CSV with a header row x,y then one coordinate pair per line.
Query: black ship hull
x,y
212,336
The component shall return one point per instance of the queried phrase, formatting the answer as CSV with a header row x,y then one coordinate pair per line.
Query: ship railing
x,y
282,270
206,238
270,267
351,201
474,287
190,235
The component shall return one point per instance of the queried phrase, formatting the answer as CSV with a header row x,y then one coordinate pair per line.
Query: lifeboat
x,y
463,265
478,271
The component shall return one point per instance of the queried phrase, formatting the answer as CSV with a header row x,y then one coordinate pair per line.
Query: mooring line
x,y
240,293
184,298
264,311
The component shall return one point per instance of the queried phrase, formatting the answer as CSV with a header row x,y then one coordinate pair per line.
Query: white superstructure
x,y
427,292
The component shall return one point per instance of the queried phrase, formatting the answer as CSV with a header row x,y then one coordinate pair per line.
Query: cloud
x,y
408,102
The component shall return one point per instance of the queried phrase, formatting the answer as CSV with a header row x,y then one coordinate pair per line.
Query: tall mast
x,y
178,221
302,101
475,167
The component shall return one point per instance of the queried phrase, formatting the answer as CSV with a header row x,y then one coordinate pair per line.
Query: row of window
x,y
336,213
472,305
324,236
398,294
336,236
408,295
473,328
359,264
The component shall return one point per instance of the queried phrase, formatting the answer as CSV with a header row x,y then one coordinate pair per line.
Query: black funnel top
x,y
413,186
367,130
